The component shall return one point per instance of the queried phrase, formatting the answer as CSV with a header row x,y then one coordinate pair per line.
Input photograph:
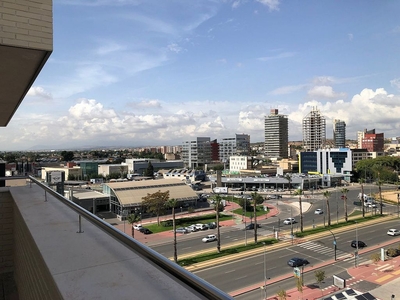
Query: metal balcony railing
x,y
196,283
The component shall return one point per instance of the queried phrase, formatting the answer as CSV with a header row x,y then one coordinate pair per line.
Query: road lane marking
x,y
230,271
384,278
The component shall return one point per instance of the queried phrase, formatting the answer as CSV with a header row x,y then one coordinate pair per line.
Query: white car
x,y
289,221
209,238
318,211
393,232
137,226
371,205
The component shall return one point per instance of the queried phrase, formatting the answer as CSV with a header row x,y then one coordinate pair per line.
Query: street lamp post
x,y
334,242
337,206
356,254
265,274
244,216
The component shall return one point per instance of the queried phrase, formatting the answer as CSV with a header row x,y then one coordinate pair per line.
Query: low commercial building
x,y
128,196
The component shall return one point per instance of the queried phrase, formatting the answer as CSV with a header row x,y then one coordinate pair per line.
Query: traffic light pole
x,y
334,242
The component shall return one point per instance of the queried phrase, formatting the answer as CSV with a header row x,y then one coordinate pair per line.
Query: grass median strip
x,y
224,252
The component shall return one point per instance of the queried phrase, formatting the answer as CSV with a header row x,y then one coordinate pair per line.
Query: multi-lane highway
x,y
192,242
249,270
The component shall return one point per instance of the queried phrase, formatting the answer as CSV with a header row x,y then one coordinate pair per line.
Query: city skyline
x,y
127,73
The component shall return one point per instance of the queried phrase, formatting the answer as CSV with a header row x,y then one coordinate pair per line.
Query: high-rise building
x,y
238,145
276,133
314,131
373,142
197,152
339,133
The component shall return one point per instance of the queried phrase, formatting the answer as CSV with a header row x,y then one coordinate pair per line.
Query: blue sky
x,y
151,72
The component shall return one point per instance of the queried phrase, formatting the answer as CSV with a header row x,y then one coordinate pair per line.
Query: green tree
x,y
375,257
156,203
172,204
299,192
282,295
327,195
149,172
132,219
218,200
256,199
319,277
379,183
67,155
344,194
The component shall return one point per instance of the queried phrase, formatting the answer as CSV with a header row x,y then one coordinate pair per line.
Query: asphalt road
x,y
191,242
250,270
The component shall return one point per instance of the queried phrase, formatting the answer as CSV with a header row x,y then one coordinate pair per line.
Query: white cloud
x,y
324,91
148,104
109,47
271,4
89,122
279,56
40,92
350,36
395,83
287,89
174,48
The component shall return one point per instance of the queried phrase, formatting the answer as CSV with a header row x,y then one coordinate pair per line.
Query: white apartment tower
x,y
276,133
314,131
238,145
197,152
339,133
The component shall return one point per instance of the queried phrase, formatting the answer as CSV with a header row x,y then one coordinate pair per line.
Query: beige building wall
x,y
27,24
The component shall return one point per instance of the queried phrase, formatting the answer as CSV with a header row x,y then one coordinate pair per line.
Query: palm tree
x,y
299,192
361,181
344,192
327,195
133,218
218,200
172,203
257,198
379,183
288,177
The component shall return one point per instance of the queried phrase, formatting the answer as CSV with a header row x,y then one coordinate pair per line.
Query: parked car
x,y
289,221
297,262
209,238
212,225
318,211
192,228
201,226
392,252
137,226
145,230
181,230
251,226
361,244
393,232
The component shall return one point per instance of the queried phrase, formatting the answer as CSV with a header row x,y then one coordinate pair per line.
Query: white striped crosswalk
x,y
316,247
330,251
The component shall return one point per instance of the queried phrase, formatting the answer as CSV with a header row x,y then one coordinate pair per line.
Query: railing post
x,y
45,196
80,225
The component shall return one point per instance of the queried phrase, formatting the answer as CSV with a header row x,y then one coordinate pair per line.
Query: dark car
x,y
392,252
251,226
361,244
145,230
297,262
212,225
